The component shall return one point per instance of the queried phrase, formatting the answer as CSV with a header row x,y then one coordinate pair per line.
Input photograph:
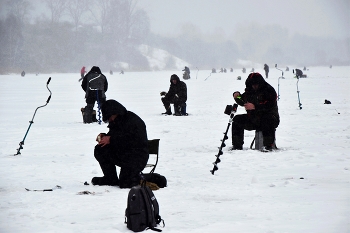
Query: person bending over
x,y
125,146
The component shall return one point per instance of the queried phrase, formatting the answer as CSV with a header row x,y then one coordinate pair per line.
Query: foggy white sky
x,y
308,17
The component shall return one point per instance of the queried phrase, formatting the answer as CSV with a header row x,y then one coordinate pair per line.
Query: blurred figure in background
x,y
95,85
266,68
176,95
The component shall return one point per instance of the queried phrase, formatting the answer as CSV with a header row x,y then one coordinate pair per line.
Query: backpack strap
x,y
155,204
149,206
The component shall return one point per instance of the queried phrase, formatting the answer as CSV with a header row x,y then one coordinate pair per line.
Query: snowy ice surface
x,y
303,187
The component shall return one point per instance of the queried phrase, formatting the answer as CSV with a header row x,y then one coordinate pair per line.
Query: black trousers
x,y
178,104
266,123
90,103
129,173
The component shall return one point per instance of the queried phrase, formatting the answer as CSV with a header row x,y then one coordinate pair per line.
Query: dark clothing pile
x,y
264,117
128,148
176,95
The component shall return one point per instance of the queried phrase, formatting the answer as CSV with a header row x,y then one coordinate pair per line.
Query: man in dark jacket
x,y
266,68
95,85
125,145
260,102
176,95
186,74
298,73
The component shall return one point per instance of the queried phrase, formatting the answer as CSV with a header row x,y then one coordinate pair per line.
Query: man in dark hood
x,y
186,74
125,146
95,85
176,95
260,102
266,68
298,73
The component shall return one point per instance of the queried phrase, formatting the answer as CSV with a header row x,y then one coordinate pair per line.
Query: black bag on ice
x,y
155,178
142,211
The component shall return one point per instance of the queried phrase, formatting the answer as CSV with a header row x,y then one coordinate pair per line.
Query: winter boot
x,y
236,147
110,176
269,144
94,119
105,181
237,143
168,111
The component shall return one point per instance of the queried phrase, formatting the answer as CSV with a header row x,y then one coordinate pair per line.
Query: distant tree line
x,y
107,33
110,33
257,43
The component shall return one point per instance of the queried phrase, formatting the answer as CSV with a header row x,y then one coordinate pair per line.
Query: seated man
x,y
298,73
125,145
260,102
186,74
176,95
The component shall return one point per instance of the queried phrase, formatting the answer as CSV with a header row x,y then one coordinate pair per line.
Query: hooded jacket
x,y
179,89
128,135
94,80
264,99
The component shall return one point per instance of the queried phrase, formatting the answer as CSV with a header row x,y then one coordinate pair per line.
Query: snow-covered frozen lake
x,y
302,187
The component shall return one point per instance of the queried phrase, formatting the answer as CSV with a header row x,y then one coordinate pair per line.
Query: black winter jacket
x,y
179,89
94,80
128,135
264,99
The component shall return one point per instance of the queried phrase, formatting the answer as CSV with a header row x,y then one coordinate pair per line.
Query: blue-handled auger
x,y
31,122
98,108
278,96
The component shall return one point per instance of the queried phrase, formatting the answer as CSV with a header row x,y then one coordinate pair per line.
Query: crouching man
x,y
176,95
125,146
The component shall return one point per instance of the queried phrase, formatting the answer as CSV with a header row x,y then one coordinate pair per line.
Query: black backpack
x,y
142,211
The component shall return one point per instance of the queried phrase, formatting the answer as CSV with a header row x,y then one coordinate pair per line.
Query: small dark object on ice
x,y
327,102
86,183
86,193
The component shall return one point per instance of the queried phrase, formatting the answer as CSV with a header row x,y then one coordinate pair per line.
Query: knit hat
x,y
254,78
95,69
112,107
174,77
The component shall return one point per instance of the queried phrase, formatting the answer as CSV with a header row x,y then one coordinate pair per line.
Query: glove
x,y
163,93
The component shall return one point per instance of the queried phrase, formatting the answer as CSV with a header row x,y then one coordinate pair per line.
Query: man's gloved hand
x,y
238,99
236,94
163,93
